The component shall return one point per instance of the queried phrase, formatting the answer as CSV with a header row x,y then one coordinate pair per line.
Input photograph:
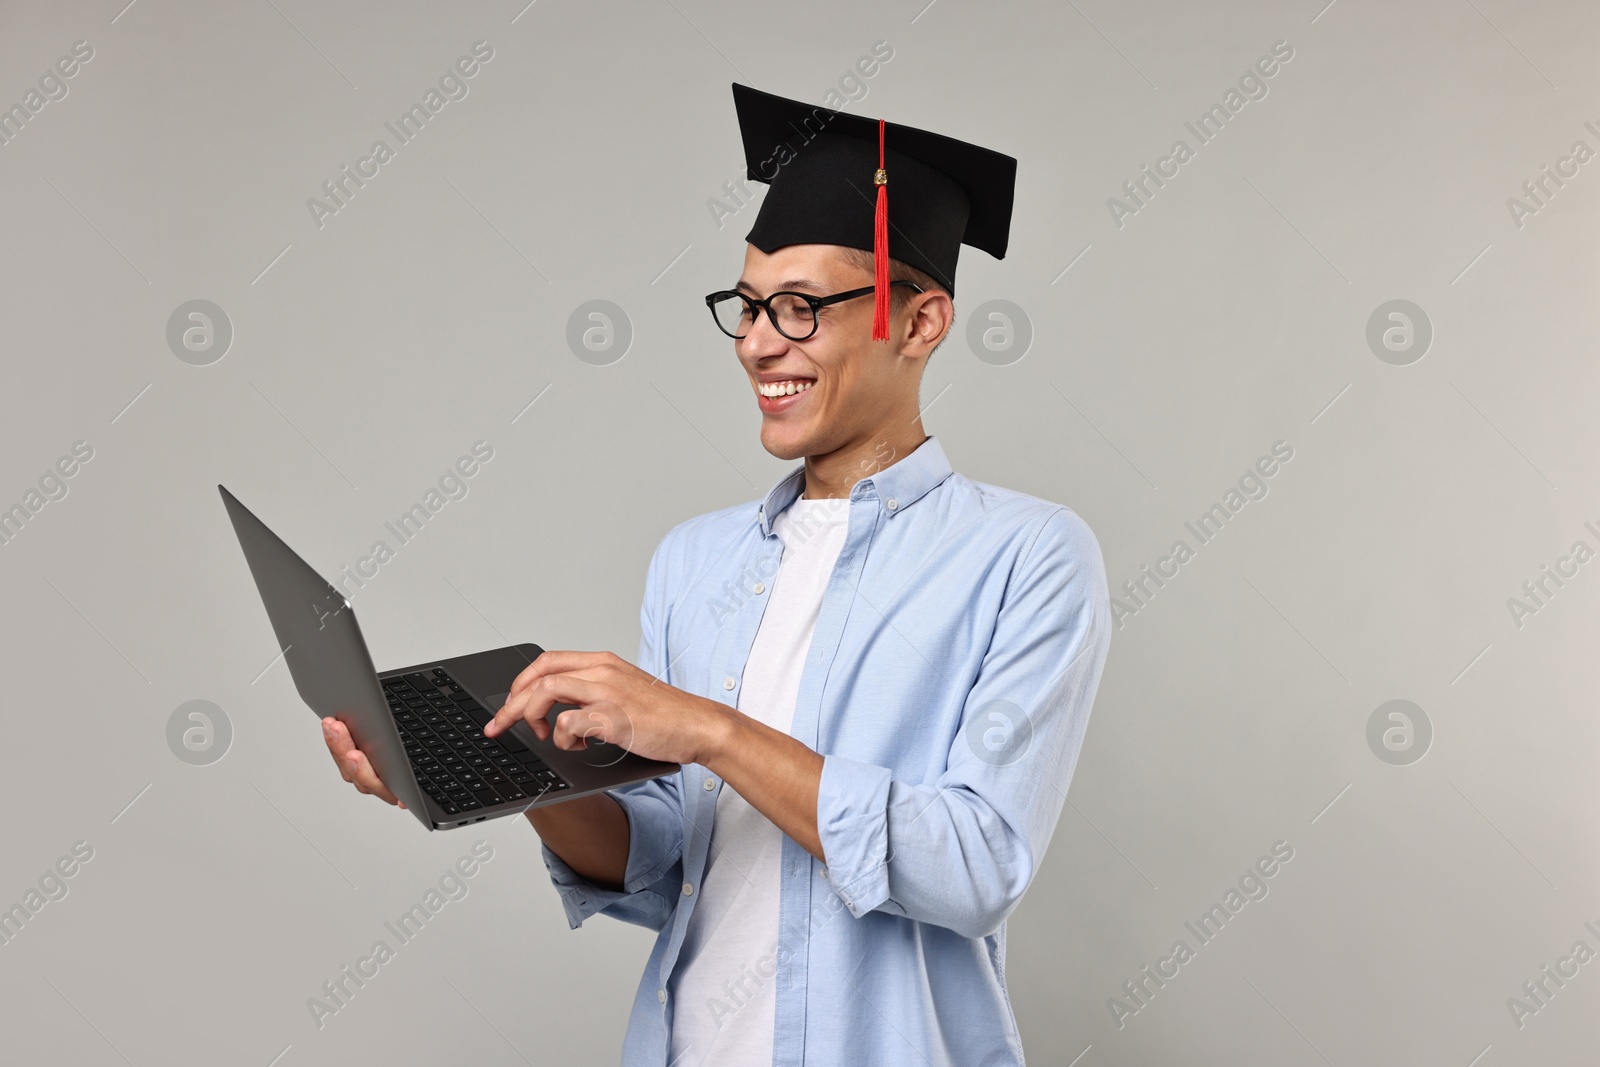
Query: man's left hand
x,y
616,703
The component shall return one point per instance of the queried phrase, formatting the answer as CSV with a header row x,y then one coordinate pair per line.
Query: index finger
x,y
339,744
550,662
533,706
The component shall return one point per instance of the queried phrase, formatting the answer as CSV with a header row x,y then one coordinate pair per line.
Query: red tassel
x,y
880,248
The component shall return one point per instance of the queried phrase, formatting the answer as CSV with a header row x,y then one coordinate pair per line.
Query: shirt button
x,y
759,588
711,783
688,889
661,995
893,503
823,872
728,682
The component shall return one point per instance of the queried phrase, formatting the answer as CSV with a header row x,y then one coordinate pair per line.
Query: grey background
x,y
1229,313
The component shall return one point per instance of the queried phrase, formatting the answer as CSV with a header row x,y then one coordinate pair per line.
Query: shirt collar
x,y
896,487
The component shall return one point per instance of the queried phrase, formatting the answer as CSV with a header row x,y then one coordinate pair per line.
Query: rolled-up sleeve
x,y
959,852
649,892
655,864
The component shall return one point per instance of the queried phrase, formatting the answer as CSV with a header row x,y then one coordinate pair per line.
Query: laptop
x,y
422,725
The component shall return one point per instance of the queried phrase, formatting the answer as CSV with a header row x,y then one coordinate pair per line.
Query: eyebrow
x,y
804,285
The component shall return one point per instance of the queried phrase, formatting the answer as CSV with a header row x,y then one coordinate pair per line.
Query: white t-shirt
x,y
726,999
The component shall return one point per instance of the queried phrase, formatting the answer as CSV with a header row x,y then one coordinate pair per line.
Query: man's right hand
x,y
353,763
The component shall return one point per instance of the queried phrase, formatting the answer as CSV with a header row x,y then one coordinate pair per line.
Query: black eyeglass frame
x,y
816,303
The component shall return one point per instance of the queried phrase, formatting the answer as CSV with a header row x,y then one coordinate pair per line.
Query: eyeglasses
x,y
793,314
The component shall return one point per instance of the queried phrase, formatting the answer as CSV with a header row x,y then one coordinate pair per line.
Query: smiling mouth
x,y
787,387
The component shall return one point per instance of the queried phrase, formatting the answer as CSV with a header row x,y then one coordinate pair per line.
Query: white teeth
x,y
783,388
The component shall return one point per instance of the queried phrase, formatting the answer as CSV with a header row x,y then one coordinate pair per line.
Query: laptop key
x,y
512,743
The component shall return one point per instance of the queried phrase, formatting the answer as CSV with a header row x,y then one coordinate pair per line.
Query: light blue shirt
x,y
948,686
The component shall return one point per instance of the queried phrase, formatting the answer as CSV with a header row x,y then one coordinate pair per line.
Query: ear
x,y
928,317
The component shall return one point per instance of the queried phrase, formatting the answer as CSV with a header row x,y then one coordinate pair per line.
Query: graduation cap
x,y
830,173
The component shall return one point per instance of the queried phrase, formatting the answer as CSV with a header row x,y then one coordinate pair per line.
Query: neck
x,y
836,473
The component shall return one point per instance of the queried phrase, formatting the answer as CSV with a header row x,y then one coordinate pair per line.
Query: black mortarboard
x,y
829,173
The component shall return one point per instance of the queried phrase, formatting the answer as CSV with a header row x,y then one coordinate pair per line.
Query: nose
x,y
763,338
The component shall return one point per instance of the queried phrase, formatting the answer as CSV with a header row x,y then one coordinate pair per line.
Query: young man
x,y
877,678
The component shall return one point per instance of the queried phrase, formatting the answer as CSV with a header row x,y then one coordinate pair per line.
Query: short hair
x,y
899,271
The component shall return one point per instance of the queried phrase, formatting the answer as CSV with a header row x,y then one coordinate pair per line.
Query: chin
x,y
785,442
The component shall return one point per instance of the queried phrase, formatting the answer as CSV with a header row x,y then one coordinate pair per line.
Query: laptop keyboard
x,y
460,768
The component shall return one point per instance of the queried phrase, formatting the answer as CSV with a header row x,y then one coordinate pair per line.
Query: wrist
x,y
718,727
